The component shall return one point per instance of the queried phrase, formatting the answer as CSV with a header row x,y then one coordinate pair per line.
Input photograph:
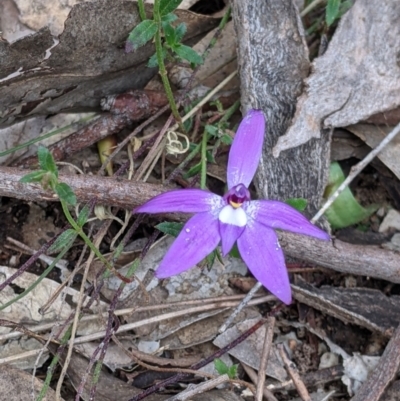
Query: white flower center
x,y
230,215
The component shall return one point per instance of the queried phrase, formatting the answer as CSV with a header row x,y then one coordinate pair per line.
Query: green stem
x,y
85,238
142,11
53,365
203,170
161,66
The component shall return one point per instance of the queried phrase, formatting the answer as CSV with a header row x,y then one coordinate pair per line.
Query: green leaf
x,y
187,53
298,203
140,35
345,211
220,366
65,193
212,130
193,171
180,31
332,11
35,176
170,228
153,62
65,240
235,252
46,161
83,216
210,158
210,259
167,19
167,6
226,139
170,35
232,371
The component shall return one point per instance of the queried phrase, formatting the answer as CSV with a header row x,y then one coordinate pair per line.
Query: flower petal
x,y
229,234
260,250
182,200
198,238
246,148
279,215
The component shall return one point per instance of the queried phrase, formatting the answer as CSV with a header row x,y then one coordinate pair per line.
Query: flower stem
x,y
89,243
142,11
203,170
161,65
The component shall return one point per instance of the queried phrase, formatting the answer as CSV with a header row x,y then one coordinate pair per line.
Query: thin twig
x,y
355,170
244,302
77,316
294,374
200,388
388,366
310,7
120,312
253,377
269,336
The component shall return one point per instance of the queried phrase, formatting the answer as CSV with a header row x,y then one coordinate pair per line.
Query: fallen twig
x,y
383,374
269,336
371,261
294,374
355,170
253,376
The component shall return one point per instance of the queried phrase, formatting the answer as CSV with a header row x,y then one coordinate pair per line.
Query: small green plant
x,y
47,176
346,210
222,368
155,29
172,47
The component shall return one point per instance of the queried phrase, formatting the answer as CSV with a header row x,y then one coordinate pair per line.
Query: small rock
x,y
328,359
392,220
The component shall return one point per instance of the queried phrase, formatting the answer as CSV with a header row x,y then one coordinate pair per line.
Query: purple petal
x,y
246,148
182,200
198,238
260,250
229,234
279,215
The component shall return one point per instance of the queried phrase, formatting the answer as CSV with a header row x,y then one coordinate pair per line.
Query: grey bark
x,y
273,62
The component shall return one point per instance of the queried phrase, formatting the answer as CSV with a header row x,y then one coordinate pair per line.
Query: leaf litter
x,y
352,104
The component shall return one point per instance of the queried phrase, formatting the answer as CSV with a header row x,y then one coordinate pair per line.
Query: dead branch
x,y
370,261
383,374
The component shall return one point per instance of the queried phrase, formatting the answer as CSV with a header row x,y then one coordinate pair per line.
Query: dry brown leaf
x,y
357,77
373,135
17,385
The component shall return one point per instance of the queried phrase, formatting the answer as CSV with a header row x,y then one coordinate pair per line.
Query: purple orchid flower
x,y
234,218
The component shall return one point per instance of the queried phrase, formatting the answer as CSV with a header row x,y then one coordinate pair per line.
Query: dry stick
x,y
128,311
371,261
74,329
294,374
140,323
244,302
191,391
355,170
253,377
158,147
202,363
61,264
383,374
269,336
130,136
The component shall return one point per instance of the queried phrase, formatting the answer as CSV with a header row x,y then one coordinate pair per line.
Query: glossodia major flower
x,y
234,218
